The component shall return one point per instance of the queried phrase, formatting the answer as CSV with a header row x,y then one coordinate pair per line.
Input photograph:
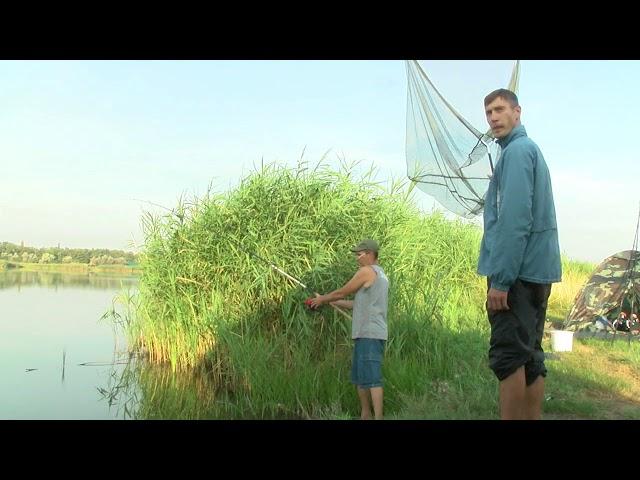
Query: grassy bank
x,y
207,313
597,380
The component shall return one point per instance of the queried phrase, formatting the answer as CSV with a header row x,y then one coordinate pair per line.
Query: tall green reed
x,y
204,302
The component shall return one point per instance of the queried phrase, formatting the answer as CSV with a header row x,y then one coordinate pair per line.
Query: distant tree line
x,y
95,256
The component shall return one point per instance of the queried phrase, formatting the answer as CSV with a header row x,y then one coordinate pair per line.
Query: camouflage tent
x,y
613,285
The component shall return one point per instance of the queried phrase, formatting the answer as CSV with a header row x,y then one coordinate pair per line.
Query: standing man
x,y
520,257
369,325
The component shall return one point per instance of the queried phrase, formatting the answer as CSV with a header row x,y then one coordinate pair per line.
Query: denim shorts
x,y
366,370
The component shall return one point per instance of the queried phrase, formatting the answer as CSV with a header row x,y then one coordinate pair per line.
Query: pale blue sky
x,y
81,140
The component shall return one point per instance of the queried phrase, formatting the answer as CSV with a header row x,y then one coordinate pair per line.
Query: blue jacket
x,y
520,232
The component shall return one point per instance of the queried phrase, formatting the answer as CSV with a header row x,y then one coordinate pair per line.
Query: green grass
x,y
598,379
574,276
224,336
196,280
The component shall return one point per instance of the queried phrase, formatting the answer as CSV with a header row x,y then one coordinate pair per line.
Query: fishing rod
x,y
285,274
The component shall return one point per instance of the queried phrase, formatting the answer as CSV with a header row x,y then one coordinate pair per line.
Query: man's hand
x,y
497,300
314,303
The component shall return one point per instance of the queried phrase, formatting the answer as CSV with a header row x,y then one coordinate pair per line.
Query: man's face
x,y
502,117
362,257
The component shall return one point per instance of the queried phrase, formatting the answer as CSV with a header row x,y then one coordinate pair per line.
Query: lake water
x,y
45,317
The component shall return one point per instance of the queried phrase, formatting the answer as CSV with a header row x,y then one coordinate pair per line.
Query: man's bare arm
x,y
343,303
362,276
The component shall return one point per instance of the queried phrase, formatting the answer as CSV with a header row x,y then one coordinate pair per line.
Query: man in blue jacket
x,y
520,257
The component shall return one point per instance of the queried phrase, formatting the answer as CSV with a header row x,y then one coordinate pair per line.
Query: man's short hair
x,y
508,95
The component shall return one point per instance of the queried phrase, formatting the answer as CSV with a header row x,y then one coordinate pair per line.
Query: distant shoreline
x,y
70,268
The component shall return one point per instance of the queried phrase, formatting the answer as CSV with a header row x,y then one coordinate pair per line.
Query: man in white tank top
x,y
369,327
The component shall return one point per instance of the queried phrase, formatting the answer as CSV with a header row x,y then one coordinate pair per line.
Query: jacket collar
x,y
517,132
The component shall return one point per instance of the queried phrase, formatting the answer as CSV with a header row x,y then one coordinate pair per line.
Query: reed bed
x,y
205,303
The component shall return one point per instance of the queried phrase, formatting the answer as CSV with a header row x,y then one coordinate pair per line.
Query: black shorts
x,y
516,334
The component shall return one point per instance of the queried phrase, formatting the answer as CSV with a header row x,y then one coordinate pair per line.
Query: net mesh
x,y
447,157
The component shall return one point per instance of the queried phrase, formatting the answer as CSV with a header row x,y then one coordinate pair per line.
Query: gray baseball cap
x,y
366,244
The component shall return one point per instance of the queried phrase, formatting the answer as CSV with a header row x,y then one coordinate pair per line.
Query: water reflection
x,y
18,279
145,391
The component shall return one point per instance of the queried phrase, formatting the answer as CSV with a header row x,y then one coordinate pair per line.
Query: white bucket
x,y
561,340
